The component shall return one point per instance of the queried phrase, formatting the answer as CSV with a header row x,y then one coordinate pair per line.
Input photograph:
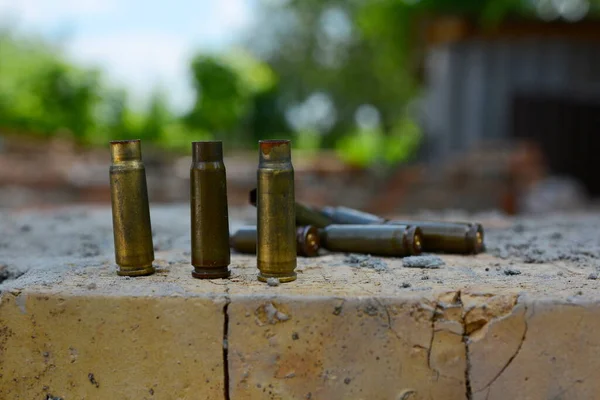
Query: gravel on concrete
x,y
365,261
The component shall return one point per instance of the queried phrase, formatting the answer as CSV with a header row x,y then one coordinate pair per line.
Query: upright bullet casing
x,y
380,240
307,240
276,212
209,213
305,215
449,237
134,251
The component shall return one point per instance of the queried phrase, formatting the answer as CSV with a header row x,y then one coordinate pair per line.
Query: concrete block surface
x,y
517,322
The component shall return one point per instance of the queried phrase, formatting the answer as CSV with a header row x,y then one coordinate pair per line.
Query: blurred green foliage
x,y
358,53
307,69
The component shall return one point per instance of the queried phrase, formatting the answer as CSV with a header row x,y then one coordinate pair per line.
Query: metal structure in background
x,y
471,86
379,240
209,213
134,251
276,212
566,131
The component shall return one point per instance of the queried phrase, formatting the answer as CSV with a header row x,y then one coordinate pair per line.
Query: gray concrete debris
x,y
365,261
429,262
273,282
511,272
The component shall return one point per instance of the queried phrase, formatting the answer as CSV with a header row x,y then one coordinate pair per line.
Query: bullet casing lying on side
x,y
449,237
276,212
380,240
209,213
307,240
134,250
444,237
345,215
305,215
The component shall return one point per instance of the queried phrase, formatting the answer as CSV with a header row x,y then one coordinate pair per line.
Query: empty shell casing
x,y
307,240
134,251
448,237
380,240
305,215
209,214
345,215
276,212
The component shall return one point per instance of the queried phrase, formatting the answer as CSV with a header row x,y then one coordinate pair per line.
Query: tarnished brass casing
x,y
305,215
134,251
307,240
449,237
445,237
345,215
380,240
276,212
209,213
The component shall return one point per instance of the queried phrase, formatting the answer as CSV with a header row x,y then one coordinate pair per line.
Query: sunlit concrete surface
x,y
520,321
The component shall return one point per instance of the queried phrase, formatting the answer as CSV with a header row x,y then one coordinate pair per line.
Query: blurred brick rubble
x,y
495,177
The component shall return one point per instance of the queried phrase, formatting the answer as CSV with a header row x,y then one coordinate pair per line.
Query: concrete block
x,y
517,322
340,348
101,347
541,350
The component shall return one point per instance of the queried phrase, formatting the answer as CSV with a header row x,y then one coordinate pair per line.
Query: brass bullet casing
x,y
445,237
209,213
305,215
379,240
449,237
276,212
307,240
134,251
345,215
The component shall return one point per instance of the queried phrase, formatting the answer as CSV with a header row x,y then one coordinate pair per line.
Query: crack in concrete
x,y
433,320
389,319
465,337
435,316
510,360
448,331
226,344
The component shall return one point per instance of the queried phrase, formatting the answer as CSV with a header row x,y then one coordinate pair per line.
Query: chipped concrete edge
x,y
467,314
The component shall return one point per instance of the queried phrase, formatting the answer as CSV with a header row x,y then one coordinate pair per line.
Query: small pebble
x,y
92,286
405,285
273,282
593,276
511,271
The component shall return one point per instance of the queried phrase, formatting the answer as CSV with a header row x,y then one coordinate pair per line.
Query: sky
x,y
141,44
